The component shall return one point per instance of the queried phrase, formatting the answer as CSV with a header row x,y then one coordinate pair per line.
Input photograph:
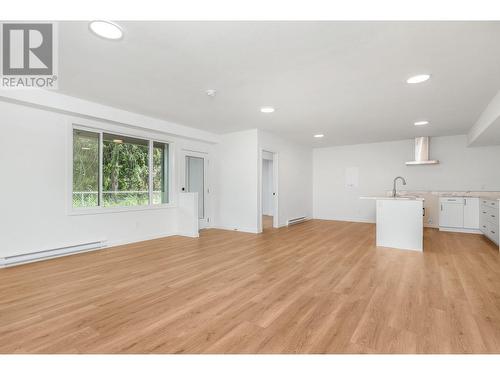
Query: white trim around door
x,y
191,163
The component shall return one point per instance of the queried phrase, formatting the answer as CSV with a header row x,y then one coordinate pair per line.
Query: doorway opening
x,y
269,206
194,180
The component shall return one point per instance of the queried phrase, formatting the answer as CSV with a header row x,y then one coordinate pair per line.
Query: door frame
x,y
206,221
275,189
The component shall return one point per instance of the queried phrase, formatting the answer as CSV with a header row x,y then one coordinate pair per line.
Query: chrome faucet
x,y
394,193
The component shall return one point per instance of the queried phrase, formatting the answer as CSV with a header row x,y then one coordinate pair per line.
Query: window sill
x,y
111,210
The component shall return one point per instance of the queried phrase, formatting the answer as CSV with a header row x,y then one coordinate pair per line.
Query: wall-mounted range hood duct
x,y
422,152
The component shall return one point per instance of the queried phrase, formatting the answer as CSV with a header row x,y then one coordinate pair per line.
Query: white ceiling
x,y
343,79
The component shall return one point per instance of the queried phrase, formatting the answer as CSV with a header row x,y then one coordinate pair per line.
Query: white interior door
x,y
194,180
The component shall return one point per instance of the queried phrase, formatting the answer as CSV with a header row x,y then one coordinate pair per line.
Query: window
x,y
125,171
160,173
85,169
121,176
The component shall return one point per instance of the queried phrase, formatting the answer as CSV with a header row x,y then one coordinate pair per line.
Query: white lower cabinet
x,y
471,213
451,213
459,213
488,219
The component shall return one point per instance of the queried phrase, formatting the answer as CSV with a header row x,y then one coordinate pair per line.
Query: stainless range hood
x,y
422,152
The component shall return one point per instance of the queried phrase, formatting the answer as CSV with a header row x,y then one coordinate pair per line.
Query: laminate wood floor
x,y
317,287
267,222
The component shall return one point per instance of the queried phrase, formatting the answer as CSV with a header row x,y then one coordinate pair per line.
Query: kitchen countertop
x,y
429,194
469,196
403,198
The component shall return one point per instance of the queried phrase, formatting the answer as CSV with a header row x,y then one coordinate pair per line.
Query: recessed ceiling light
x,y
118,141
420,123
319,135
418,78
267,109
106,29
211,92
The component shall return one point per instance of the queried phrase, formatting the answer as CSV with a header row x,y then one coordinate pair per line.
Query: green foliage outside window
x,y
85,169
125,171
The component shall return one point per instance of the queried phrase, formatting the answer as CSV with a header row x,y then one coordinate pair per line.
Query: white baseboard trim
x,y
245,230
431,226
460,230
188,234
349,219
17,260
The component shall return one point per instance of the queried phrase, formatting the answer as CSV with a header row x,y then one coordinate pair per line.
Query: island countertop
x,y
403,198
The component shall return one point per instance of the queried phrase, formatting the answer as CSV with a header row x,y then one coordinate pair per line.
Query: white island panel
x,y
400,223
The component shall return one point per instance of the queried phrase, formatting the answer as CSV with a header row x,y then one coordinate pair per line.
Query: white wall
x,y
460,169
36,168
294,176
236,181
267,187
35,186
239,176
66,104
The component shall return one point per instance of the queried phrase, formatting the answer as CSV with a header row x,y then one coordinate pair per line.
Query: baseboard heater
x,y
52,253
296,220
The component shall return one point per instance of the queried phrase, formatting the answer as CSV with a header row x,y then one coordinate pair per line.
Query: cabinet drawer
x,y
489,203
457,200
493,217
483,226
492,232
488,214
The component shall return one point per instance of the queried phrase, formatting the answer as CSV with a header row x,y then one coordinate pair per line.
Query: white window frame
x,y
95,128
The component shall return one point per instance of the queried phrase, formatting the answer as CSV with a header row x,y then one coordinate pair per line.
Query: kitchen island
x,y
399,222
